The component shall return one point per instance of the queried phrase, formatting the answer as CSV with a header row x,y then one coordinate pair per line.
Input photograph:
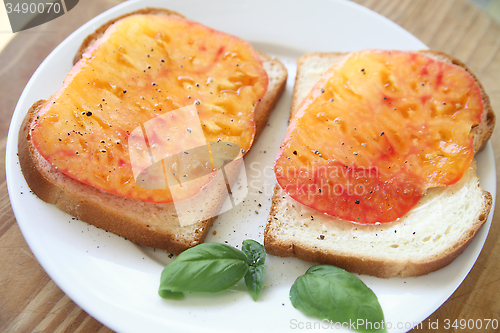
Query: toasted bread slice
x,y
428,238
151,224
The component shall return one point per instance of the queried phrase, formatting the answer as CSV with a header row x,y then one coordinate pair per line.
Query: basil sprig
x,y
254,278
213,267
330,293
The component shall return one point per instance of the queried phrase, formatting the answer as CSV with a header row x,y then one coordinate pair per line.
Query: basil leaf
x,y
208,267
255,251
170,294
254,280
331,293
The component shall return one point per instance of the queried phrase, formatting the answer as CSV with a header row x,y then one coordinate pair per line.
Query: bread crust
x,y
283,247
365,265
150,224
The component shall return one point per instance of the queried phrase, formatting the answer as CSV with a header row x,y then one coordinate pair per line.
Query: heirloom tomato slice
x,y
140,70
376,131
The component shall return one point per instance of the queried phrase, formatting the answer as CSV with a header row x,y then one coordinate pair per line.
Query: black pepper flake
x,y
185,152
321,237
88,113
124,91
316,152
356,202
189,130
322,91
295,152
382,133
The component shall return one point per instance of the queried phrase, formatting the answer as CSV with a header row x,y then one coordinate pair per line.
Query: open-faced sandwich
x,y
376,173
153,108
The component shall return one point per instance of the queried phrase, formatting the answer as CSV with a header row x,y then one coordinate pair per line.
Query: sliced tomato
x,y
378,130
144,67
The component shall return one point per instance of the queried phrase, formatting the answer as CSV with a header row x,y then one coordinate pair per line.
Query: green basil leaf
x,y
331,293
254,280
255,251
170,294
208,267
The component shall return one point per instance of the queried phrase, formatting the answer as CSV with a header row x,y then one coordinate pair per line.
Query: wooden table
x,y
31,302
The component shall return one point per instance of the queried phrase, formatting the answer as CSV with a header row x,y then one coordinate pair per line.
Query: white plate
x,y
116,281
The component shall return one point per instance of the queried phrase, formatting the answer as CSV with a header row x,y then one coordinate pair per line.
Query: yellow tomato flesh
x,y
376,131
144,67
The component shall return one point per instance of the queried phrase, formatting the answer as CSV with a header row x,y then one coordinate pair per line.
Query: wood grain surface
x,y
29,299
